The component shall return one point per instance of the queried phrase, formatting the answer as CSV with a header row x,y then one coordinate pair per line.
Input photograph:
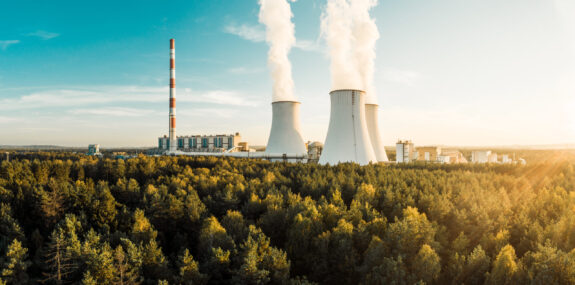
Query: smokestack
x,y
172,137
347,136
371,117
285,136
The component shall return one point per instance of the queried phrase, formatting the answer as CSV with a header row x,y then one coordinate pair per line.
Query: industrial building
x,y
203,143
428,153
405,152
437,154
452,156
483,156
94,149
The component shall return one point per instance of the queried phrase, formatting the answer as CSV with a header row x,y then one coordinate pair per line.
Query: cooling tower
x,y
347,136
371,118
285,135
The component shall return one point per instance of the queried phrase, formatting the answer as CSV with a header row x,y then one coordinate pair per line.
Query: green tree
x,y
260,262
504,267
154,263
189,269
124,272
426,265
142,230
16,264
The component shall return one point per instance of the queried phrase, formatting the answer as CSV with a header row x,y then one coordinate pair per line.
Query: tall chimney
x,y
172,137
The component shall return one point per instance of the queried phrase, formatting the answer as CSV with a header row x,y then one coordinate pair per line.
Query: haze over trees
x,y
72,219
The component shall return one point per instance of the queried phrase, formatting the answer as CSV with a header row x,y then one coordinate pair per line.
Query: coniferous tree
x,y
189,270
16,263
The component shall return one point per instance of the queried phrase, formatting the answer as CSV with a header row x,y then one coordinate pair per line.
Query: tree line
x,y
73,219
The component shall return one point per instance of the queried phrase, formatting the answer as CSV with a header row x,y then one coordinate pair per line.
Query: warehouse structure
x,y
202,143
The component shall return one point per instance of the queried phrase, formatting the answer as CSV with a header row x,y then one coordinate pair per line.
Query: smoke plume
x,y
276,16
351,35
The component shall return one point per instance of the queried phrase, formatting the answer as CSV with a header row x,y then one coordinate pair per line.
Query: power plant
x,y
353,133
348,138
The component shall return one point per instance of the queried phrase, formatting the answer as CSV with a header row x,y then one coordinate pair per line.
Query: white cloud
x,y
400,76
308,45
220,97
105,95
210,113
245,70
113,111
5,44
250,33
43,35
6,120
257,34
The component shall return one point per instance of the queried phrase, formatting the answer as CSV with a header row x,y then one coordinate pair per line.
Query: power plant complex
x,y
353,133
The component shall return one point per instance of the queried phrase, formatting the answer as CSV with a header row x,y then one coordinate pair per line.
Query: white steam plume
x,y
366,35
336,26
351,35
276,16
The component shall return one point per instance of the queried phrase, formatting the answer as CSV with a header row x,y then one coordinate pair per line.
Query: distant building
x,y
436,154
454,156
314,150
493,158
480,156
94,149
428,153
405,152
203,143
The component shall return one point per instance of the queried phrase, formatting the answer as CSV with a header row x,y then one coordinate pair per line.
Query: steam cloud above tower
x,y
280,34
351,35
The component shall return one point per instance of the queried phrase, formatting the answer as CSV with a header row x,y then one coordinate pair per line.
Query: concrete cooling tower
x,y
347,136
373,128
285,135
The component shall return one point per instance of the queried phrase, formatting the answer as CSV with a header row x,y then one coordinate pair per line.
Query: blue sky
x,y
451,72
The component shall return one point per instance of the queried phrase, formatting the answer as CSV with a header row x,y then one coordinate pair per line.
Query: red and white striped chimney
x,y
172,138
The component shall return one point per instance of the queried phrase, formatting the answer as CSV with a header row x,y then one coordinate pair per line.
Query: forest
x,y
73,219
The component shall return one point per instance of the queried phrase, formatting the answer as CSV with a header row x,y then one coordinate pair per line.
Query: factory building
x,y
428,153
436,154
405,152
452,156
94,149
483,156
199,143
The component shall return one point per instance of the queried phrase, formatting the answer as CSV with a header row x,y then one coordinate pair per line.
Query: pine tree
x,y
14,269
426,265
88,279
504,267
154,262
189,269
60,264
124,272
